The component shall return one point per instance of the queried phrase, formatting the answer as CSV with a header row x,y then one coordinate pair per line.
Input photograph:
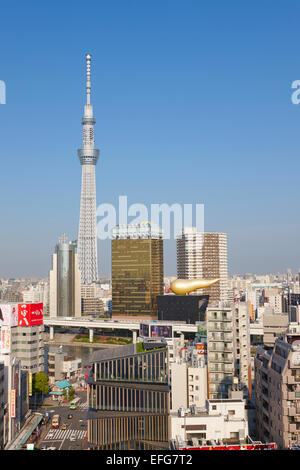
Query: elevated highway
x,y
128,325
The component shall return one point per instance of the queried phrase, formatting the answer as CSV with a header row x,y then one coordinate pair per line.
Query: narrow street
x,y
74,436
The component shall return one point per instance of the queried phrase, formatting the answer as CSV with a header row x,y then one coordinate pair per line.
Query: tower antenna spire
x,y
88,78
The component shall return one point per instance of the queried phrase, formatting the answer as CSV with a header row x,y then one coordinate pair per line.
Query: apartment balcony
x,y
289,379
220,369
292,427
220,360
291,395
219,348
215,328
292,365
228,318
291,411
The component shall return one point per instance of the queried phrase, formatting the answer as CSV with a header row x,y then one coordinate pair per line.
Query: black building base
x,y
186,308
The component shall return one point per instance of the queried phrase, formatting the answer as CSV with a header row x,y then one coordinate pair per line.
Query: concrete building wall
x,y
2,402
277,390
28,347
274,325
227,421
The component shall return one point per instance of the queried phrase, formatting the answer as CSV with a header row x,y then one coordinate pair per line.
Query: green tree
x,y
40,383
69,393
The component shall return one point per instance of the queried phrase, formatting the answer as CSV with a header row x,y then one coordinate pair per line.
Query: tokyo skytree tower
x,y
88,156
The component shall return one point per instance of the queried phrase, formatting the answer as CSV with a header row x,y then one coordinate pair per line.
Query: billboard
x,y
30,384
30,314
160,331
5,340
144,330
13,404
8,314
201,348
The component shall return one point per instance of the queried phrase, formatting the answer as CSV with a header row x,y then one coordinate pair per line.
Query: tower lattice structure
x,y
88,156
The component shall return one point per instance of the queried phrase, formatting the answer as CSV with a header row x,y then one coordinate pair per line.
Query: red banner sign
x,y
30,314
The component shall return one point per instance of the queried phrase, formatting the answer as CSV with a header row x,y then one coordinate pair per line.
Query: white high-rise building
x,y
204,255
228,348
88,156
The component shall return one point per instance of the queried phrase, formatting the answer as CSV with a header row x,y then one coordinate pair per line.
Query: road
x,y
76,426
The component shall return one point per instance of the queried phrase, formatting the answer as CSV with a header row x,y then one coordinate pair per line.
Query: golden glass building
x,y
137,269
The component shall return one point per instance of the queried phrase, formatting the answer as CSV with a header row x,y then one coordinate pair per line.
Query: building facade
x,y
91,303
188,373
137,269
65,283
228,348
128,397
277,390
219,421
2,403
27,345
61,366
203,255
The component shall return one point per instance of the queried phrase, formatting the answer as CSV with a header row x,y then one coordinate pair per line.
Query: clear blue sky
x,y
193,105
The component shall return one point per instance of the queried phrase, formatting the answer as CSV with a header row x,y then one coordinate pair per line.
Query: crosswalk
x,y
81,406
62,434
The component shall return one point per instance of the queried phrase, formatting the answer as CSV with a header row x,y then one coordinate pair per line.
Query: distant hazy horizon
x,y
193,106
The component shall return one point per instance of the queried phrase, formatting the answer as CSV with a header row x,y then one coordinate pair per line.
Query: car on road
x,y
73,437
51,448
64,426
70,416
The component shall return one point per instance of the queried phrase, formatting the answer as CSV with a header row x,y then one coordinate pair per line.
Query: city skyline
x,y
160,111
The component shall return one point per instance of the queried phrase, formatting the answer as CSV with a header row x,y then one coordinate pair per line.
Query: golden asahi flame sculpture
x,y
185,286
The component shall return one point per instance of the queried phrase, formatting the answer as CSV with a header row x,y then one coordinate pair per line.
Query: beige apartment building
x,y
277,391
203,255
274,325
90,301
